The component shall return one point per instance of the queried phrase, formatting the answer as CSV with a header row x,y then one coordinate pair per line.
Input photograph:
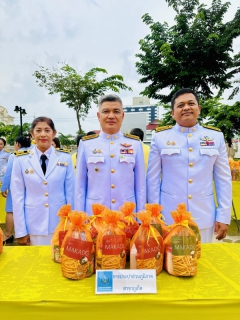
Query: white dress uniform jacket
x,y
37,197
110,171
182,165
4,155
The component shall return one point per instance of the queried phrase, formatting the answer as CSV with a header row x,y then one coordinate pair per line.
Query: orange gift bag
x,y
60,232
180,245
131,225
96,220
156,218
111,242
77,248
147,248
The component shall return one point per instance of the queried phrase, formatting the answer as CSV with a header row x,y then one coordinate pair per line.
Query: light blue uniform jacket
x,y
182,165
4,156
107,175
6,181
38,197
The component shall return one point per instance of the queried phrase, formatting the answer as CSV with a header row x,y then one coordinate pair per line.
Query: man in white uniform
x,y
184,160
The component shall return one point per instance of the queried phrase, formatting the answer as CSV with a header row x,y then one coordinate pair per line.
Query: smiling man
x,y
110,166
184,160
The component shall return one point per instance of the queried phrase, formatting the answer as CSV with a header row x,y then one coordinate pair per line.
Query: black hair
x,y
3,140
57,142
24,141
109,98
79,138
43,119
181,92
137,132
229,142
90,133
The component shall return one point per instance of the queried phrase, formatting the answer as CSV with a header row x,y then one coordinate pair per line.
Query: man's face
x,y
186,110
110,116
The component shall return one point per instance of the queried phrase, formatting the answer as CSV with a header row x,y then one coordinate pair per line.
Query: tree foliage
x,y
66,140
11,131
196,52
77,91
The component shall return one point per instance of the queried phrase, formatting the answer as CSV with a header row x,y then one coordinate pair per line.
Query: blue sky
x,y
85,34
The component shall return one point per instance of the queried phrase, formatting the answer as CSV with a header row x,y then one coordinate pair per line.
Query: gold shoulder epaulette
x,y
159,129
63,150
91,136
21,153
131,136
6,150
211,128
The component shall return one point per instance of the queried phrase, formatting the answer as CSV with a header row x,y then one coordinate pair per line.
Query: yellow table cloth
x,y
2,209
31,284
236,198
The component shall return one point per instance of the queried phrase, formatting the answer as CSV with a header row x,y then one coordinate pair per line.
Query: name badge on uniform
x,y
62,164
126,151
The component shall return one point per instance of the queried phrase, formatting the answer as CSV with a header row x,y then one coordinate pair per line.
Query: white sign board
x,y
125,281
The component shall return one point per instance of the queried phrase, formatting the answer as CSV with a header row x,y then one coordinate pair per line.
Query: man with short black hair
x,y
183,162
110,166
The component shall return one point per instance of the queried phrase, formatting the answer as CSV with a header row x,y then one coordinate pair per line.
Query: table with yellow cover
x,y
32,285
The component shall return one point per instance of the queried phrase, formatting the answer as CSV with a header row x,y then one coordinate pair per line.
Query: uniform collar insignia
x,y
126,145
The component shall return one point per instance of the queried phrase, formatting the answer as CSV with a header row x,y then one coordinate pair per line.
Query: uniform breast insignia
x,y
95,151
131,136
126,151
92,136
206,142
211,128
159,129
126,145
21,153
63,150
173,143
62,164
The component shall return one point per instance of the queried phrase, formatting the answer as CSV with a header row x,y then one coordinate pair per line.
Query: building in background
x,y
5,117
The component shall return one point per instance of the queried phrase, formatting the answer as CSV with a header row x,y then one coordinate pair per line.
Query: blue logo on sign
x,y
105,281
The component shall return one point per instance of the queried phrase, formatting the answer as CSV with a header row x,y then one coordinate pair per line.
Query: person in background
x,y
146,149
110,166
183,162
74,155
90,133
42,182
22,143
56,143
230,148
4,156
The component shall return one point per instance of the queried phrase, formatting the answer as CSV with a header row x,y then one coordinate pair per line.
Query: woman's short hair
x,y
43,119
57,142
3,140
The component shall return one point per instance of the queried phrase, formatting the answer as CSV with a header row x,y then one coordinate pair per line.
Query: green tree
x,y
66,140
196,52
78,91
11,131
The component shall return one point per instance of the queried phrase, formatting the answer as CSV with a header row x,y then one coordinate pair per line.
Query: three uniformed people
x,y
188,157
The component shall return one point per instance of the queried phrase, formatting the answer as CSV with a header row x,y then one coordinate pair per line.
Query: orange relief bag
x,y
111,242
131,225
60,232
1,240
77,248
156,218
147,248
180,245
96,220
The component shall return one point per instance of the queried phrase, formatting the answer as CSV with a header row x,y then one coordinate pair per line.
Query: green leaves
x,y
196,52
76,90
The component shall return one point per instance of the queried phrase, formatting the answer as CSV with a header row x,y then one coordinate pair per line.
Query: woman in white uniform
x,y
42,182
21,143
